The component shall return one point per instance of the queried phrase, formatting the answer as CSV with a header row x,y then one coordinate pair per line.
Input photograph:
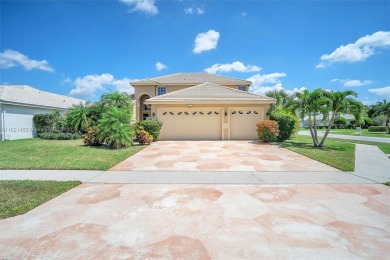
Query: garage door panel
x,y
243,122
190,123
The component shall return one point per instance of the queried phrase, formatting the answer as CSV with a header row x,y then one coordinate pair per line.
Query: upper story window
x,y
242,88
161,91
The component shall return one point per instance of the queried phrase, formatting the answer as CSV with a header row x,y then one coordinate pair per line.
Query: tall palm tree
x,y
310,104
341,102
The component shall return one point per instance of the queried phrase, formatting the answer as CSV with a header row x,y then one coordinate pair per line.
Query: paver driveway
x,y
111,221
218,156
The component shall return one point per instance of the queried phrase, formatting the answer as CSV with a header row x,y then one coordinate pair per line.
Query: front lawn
x,y
41,154
337,154
18,197
355,132
385,147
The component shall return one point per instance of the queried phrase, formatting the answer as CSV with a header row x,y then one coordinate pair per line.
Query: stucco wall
x,y
18,121
152,89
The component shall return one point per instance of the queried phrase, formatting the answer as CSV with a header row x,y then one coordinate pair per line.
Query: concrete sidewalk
x,y
160,177
351,137
372,163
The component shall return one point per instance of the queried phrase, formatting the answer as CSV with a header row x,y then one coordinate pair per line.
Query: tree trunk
x,y
327,130
313,132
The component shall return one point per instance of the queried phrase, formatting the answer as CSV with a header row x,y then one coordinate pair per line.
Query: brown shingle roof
x,y
191,79
209,92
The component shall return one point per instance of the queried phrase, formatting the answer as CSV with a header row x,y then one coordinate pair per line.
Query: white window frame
x,y
162,87
244,88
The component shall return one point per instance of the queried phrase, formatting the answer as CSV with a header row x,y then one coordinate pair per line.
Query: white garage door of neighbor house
x,y
191,123
243,122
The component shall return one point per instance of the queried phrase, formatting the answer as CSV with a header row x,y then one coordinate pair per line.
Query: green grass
x,y
41,154
385,147
387,183
337,154
355,132
18,197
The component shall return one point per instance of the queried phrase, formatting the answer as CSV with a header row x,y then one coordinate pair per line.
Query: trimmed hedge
x,y
60,136
378,129
153,127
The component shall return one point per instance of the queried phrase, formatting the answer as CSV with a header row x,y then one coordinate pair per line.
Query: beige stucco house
x,y
200,106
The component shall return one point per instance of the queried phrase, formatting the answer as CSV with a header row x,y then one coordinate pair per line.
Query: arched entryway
x,y
145,110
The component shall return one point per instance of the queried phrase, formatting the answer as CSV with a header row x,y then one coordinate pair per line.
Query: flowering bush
x,y
267,131
143,137
90,137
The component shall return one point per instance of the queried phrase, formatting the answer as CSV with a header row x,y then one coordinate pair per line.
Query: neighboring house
x,y
319,121
18,105
201,106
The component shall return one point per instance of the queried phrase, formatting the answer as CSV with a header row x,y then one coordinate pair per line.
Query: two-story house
x,y
200,106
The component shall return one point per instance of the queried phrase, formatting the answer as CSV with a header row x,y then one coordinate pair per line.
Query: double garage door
x,y
209,123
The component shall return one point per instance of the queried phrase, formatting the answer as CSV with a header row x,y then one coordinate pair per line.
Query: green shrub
x,y
153,127
114,128
267,131
46,122
367,122
142,137
286,123
341,122
378,129
90,137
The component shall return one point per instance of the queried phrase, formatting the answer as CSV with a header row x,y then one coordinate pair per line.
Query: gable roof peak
x,y
191,78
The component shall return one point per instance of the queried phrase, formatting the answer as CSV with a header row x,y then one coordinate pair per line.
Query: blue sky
x,y
85,48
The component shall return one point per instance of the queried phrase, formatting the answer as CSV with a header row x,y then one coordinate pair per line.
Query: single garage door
x,y
243,122
191,123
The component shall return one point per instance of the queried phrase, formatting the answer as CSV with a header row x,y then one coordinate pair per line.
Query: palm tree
x,y
341,102
383,108
310,104
282,98
114,128
116,98
77,117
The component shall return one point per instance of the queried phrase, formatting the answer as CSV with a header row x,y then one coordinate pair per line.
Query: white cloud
x,y
194,10
266,82
123,85
11,58
357,51
206,41
235,66
200,10
301,89
189,10
143,6
382,92
160,66
353,82
88,85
